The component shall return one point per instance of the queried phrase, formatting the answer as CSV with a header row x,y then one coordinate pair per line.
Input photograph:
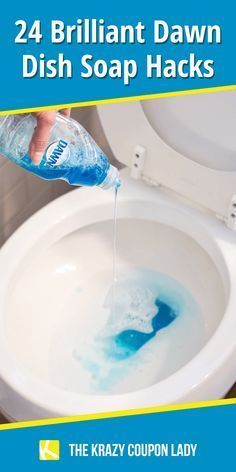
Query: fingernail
x,y
37,157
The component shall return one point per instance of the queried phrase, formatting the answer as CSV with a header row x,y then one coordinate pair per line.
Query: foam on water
x,y
148,322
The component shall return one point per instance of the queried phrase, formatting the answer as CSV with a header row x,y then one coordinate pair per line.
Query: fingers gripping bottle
x,y
71,155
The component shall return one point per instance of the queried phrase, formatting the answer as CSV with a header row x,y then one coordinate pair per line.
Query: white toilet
x,y
176,215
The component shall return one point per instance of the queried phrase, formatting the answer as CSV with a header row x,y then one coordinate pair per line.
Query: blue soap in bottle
x,y
71,155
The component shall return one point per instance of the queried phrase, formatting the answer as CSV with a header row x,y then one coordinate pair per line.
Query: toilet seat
x,y
134,130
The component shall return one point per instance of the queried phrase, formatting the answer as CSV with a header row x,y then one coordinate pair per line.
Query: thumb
x,y
39,141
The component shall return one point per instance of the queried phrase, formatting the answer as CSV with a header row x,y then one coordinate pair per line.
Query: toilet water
x,y
151,326
125,343
148,321
126,336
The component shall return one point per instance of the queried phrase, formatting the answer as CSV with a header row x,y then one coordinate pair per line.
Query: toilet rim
x,y
211,357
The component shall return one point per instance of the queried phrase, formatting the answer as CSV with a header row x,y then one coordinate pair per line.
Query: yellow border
x,y
115,414
122,99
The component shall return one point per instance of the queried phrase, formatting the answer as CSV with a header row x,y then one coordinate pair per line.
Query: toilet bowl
x,y
56,268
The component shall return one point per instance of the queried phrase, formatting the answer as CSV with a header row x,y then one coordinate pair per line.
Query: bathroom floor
x,y
232,392
2,419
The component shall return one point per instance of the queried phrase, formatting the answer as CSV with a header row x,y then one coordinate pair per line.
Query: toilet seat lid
x,y
187,144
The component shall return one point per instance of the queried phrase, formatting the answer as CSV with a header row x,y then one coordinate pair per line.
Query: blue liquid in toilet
x,y
128,342
145,333
148,317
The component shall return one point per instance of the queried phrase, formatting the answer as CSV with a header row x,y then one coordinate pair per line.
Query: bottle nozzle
x,y
112,179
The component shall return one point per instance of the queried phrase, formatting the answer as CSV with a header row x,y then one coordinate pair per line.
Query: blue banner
x,y
91,51
189,439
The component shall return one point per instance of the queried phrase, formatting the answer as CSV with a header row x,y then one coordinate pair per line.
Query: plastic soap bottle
x,y
71,155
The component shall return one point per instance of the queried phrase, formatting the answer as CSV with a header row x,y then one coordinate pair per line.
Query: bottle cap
x,y
112,178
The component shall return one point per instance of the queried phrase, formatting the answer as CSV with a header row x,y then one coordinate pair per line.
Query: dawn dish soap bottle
x,y
71,154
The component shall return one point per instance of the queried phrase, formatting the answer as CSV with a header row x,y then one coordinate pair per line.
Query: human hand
x,y
39,141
